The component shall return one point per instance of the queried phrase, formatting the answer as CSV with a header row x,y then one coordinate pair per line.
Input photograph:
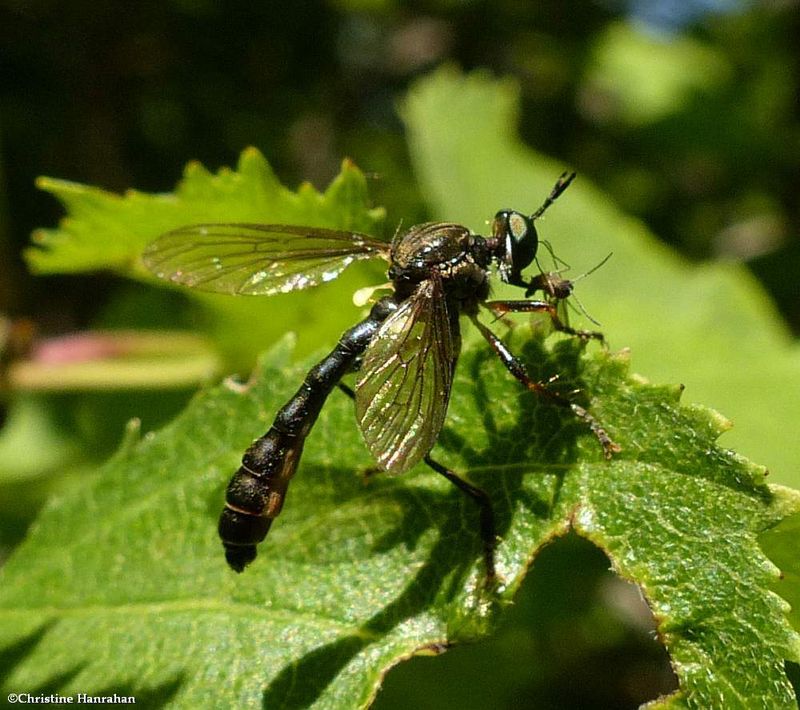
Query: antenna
x,y
562,184
594,268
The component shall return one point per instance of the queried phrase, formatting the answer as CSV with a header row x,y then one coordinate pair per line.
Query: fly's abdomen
x,y
257,490
256,494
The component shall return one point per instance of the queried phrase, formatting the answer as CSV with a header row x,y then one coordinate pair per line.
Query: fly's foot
x,y
610,447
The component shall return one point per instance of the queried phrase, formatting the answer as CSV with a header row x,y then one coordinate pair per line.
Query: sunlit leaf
x,y
108,231
123,588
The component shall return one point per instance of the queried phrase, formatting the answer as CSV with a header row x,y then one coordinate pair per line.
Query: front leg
x,y
501,308
515,366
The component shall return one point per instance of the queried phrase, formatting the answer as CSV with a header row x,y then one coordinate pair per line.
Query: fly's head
x,y
514,243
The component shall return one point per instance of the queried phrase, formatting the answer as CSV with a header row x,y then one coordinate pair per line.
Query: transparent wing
x,y
256,259
404,384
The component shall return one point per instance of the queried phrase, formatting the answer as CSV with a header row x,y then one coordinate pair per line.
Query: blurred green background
x,y
685,114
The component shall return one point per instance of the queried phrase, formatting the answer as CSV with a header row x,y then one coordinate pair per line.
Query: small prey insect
x,y
404,352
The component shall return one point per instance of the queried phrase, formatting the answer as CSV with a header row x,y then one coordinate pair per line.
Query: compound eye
x,y
517,235
517,226
524,240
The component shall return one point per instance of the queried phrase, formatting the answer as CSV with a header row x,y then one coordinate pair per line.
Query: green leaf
x,y
708,326
123,587
646,78
114,361
781,544
107,231
37,457
32,442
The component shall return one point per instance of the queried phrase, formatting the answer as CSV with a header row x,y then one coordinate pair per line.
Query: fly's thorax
x,y
450,250
430,244
466,284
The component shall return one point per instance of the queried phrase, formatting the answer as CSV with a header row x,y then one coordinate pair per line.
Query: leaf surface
x,y
108,231
122,587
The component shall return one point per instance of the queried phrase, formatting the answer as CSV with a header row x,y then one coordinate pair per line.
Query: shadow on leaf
x,y
539,433
16,653
12,655
158,696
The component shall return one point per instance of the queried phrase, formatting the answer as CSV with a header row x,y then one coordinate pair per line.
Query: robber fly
x,y
404,352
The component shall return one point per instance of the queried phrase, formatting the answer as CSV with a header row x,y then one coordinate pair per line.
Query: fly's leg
x,y
501,308
257,491
481,498
484,503
517,369
347,390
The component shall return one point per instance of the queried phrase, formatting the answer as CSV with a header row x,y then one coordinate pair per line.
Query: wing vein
x,y
257,259
404,386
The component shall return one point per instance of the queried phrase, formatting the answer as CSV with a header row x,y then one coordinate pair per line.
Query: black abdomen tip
x,y
239,556
240,533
